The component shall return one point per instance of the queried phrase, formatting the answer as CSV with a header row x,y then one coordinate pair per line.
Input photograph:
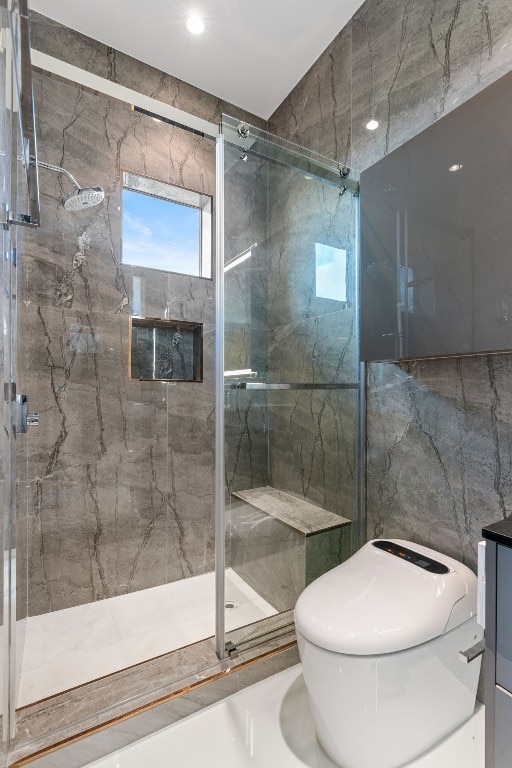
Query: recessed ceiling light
x,y
455,167
195,24
372,125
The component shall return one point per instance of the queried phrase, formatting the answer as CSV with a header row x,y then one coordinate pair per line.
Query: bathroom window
x,y
331,272
166,227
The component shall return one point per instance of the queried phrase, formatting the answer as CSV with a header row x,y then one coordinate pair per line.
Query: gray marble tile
x,y
317,113
64,43
413,62
121,735
77,710
319,349
194,674
313,447
279,543
246,337
254,673
439,454
326,550
246,439
297,513
268,555
304,214
120,483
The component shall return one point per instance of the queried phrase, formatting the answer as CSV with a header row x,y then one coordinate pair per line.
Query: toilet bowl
x,y
380,638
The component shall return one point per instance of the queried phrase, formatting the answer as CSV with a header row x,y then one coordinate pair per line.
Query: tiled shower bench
x,y
280,543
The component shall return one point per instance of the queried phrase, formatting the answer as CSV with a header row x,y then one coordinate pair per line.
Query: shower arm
x,y
57,169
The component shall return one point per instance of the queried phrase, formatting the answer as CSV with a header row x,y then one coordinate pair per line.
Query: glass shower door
x,y
290,376
19,205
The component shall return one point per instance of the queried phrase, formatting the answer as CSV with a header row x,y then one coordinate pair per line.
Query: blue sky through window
x,y
160,234
331,272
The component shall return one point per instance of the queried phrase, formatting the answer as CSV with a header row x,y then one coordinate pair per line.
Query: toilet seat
x,y
349,610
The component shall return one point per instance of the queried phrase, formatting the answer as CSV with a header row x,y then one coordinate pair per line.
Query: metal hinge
x,y
231,650
24,419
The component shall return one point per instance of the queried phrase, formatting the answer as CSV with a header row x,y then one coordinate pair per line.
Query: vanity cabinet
x,y
498,646
436,234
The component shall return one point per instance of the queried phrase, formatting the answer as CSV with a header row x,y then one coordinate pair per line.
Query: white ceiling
x,y
251,54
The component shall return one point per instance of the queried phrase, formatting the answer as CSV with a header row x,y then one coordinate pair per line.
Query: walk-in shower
x,y
152,524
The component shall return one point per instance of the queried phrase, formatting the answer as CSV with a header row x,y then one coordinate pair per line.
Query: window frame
x,y
173,193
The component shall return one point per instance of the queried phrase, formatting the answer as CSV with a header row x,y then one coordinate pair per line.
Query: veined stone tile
x,y
62,42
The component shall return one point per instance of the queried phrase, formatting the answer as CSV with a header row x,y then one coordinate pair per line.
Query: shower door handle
x,y
21,414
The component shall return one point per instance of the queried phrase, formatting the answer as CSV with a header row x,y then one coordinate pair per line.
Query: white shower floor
x,y
267,725
67,648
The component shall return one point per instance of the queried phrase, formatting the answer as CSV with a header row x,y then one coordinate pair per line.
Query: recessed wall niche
x,y
165,350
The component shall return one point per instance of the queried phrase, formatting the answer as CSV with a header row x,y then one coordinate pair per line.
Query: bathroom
x,y
147,579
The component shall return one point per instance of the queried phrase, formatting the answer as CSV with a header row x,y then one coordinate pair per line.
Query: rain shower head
x,y
80,198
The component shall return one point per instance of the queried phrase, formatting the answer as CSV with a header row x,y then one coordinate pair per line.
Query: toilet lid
x,y
380,601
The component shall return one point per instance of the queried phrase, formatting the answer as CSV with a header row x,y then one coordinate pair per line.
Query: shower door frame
x,y
220,488
20,207
330,172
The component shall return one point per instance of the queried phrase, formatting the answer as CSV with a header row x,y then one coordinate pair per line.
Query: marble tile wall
x,y
277,326
268,555
117,480
245,308
311,340
112,506
280,544
63,43
438,431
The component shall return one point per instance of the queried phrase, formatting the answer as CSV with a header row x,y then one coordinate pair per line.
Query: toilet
x,y
380,640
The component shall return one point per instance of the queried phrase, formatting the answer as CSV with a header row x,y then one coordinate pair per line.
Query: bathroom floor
x,y
67,648
269,724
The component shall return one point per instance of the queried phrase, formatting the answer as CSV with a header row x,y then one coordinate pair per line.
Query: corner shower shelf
x,y
280,543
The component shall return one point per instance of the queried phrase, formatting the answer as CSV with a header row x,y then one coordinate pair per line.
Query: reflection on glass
x,y
435,237
331,272
138,295
407,289
239,259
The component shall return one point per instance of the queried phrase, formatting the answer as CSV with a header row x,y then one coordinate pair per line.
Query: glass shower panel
x,y
291,374
6,446
115,502
18,205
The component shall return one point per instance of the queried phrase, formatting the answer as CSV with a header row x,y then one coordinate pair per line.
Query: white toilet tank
x,y
380,639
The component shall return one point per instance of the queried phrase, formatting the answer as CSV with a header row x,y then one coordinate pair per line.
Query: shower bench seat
x,y
280,543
